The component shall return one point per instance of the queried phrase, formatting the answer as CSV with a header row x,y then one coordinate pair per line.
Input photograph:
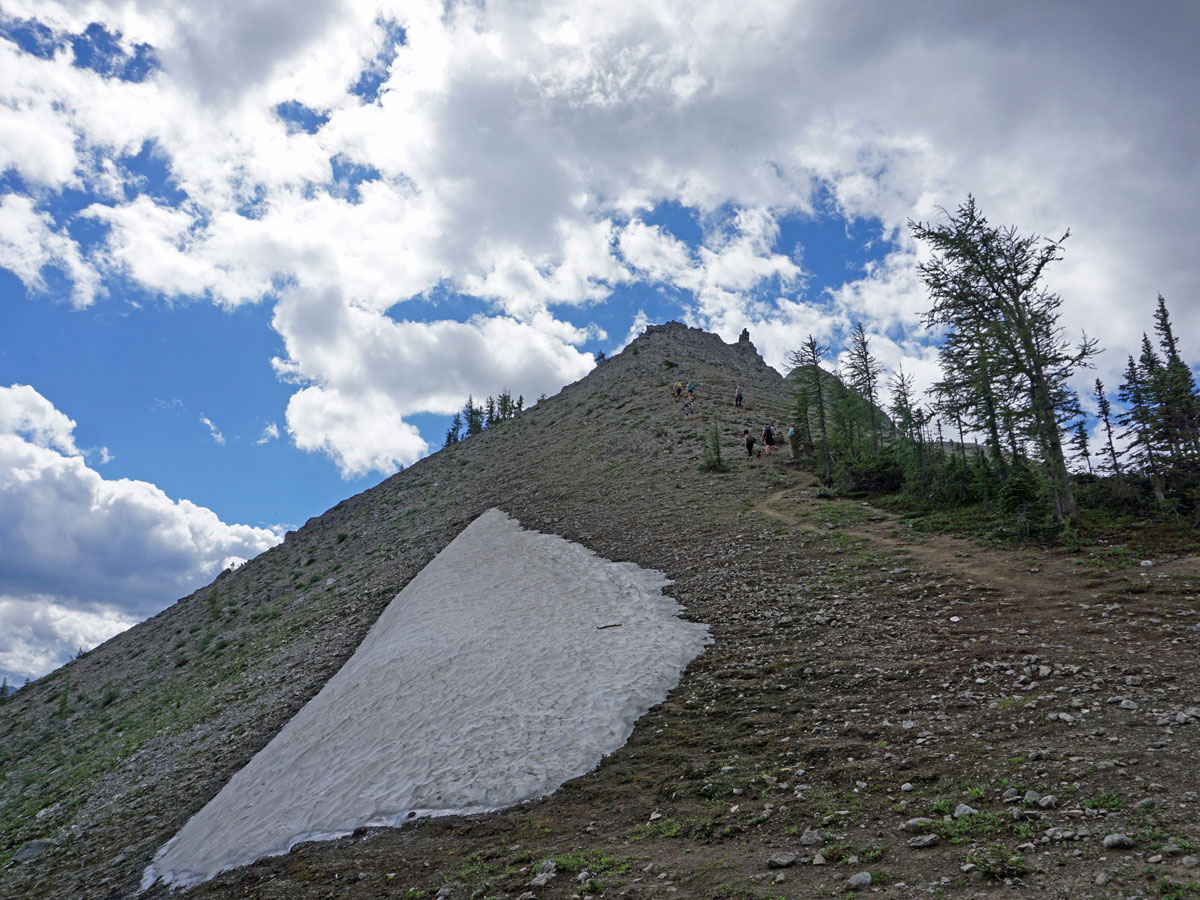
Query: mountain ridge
x,y
865,682
295,613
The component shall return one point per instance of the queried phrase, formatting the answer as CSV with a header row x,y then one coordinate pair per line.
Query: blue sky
x,y
252,257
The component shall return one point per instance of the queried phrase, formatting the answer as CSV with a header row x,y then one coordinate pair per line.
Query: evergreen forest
x,y
1002,434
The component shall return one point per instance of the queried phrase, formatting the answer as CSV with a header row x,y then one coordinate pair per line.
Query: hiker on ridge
x,y
691,387
749,439
737,395
768,439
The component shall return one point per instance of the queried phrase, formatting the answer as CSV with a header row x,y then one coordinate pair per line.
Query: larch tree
x,y
862,376
1112,461
985,282
808,360
1139,421
1177,394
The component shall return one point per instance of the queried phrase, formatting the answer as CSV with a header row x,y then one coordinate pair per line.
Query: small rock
x,y
1011,793
1117,841
859,881
907,724
1156,858
1048,802
922,840
1189,862
781,859
1128,704
811,838
31,849
907,786
916,825
1103,878
1027,847
1032,796
547,867
963,810
819,860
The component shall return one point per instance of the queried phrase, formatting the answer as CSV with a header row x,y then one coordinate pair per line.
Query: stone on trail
x,y
923,840
811,838
963,810
1189,862
916,825
859,881
1117,841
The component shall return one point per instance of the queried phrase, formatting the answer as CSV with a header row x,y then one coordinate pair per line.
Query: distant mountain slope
x,y
833,390
108,756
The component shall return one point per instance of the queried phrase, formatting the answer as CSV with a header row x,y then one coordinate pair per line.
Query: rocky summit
x,y
881,711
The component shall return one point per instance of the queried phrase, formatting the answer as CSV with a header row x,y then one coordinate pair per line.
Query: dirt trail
x,y
1030,575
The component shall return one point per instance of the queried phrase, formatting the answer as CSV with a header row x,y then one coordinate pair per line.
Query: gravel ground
x,y
938,718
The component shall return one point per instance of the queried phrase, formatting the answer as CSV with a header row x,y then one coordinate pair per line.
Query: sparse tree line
x,y
472,419
1016,427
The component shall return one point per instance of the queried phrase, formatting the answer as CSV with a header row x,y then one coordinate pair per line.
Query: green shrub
x,y
998,862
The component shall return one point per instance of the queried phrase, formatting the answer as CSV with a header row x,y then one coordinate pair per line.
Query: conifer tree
x,y
1178,396
903,406
473,417
454,432
985,283
1104,412
1079,443
801,411
489,412
1138,420
973,390
808,360
862,375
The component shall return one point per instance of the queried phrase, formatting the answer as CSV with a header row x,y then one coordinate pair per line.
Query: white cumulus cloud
x,y
81,556
514,151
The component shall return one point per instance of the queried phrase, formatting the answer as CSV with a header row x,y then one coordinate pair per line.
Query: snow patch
x,y
511,663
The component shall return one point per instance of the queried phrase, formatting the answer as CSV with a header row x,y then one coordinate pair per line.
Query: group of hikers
x,y
677,392
767,435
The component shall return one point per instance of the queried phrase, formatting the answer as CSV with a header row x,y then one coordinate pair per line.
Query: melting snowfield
x,y
513,662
